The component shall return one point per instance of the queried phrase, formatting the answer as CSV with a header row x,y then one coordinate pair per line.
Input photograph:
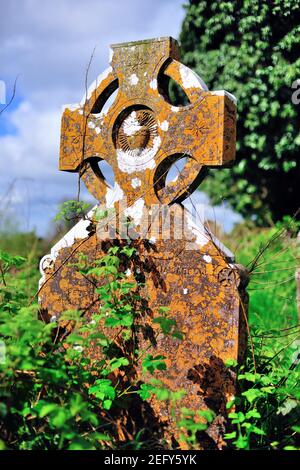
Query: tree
x,y
251,49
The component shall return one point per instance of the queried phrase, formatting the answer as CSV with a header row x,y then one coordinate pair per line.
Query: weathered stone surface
x,y
182,265
143,134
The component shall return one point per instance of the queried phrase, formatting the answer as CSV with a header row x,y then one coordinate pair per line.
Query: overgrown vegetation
x,y
54,396
268,403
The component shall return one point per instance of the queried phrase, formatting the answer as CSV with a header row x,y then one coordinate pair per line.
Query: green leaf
x,y
115,363
231,435
71,210
103,389
81,444
253,414
128,251
151,363
47,408
231,363
209,415
121,320
155,388
145,391
59,418
252,394
241,442
107,404
249,376
258,431
166,324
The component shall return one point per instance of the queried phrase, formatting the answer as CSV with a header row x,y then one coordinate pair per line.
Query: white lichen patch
x,y
91,125
131,125
128,272
175,109
190,79
95,85
113,195
203,236
99,117
133,79
164,125
185,291
46,262
111,54
153,84
72,107
225,93
79,231
97,130
136,183
134,160
136,211
207,258
199,232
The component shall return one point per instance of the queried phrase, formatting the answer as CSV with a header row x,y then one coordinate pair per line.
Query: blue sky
x,y
47,45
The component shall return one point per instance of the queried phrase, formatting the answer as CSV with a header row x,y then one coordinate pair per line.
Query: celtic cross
x,y
142,134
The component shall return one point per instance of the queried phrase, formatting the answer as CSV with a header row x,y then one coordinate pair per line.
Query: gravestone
x,y
184,267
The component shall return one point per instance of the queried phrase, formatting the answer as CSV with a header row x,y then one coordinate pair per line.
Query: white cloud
x,y
29,167
31,151
48,44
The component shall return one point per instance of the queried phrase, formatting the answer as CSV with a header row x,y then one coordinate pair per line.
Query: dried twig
x,y
12,96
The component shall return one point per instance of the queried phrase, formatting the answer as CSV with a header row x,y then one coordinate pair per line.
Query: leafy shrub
x,y
54,396
57,397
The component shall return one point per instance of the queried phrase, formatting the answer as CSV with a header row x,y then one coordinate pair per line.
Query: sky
x,y
46,45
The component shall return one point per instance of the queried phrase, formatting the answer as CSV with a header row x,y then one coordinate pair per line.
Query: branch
x,y
12,96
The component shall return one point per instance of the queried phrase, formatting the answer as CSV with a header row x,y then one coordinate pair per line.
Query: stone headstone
x,y
184,267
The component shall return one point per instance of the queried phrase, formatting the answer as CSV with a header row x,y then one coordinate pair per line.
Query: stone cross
x,y
143,134
188,271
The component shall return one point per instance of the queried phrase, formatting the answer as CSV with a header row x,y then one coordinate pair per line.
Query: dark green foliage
x,y
267,409
251,49
54,397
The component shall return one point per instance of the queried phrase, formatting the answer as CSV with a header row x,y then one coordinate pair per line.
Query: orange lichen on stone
x,y
141,135
154,133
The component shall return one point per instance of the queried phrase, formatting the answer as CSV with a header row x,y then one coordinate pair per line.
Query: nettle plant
x,y
55,394
265,414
